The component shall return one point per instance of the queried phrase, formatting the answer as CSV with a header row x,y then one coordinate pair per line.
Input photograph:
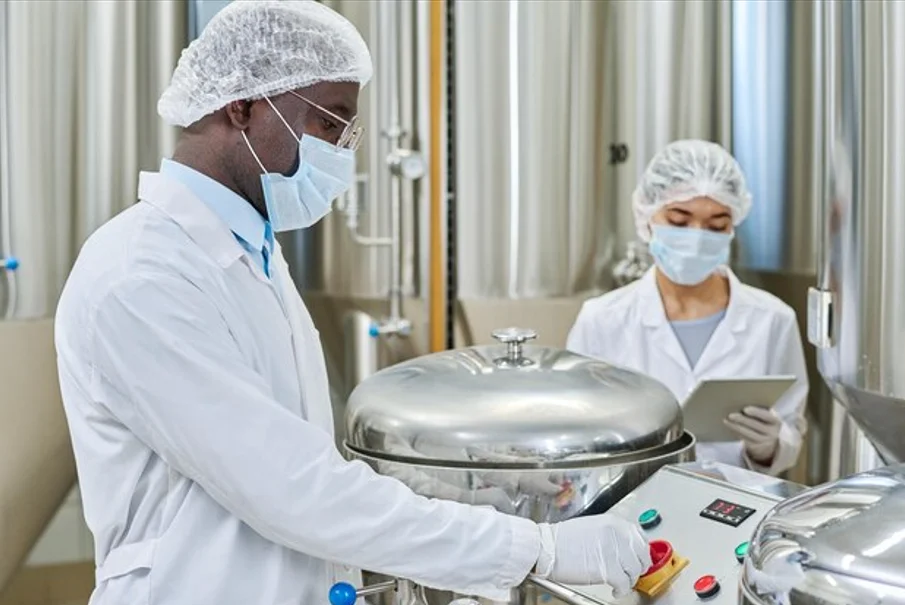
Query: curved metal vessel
x,y
839,544
855,314
534,431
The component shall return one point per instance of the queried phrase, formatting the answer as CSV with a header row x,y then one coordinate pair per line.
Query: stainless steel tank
x,y
856,316
839,544
844,542
501,424
534,431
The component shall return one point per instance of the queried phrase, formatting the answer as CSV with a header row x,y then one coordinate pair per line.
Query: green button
x,y
741,550
648,516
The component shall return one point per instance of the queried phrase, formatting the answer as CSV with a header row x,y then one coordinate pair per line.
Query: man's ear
x,y
239,114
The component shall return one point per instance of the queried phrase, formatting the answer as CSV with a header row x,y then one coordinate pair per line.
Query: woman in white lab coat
x,y
690,318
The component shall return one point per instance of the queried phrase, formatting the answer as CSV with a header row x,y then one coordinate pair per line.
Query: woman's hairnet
x,y
257,48
684,170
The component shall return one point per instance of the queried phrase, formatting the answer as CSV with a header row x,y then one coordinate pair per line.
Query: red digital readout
x,y
723,507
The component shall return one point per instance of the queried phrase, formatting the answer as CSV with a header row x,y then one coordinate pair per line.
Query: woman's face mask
x,y
298,201
687,255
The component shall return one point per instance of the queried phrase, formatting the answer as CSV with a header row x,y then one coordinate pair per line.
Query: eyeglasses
x,y
350,138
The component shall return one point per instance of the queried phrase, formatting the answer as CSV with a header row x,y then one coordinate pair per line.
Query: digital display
x,y
727,512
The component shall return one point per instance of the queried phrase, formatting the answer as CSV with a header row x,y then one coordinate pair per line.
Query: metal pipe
x,y
451,227
389,53
8,307
368,240
376,588
350,207
395,247
436,294
361,354
515,148
567,596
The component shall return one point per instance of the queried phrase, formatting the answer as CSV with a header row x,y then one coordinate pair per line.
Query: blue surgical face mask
x,y
298,201
688,256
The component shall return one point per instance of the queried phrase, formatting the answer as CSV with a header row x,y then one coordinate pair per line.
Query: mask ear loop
x,y
285,123
283,120
254,155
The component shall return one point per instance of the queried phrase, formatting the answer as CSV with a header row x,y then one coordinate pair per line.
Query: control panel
x,y
698,524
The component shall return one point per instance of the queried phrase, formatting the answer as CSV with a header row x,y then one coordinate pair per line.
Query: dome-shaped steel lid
x,y
844,541
509,405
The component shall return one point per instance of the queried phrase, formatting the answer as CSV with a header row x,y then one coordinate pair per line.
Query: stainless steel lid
x,y
510,405
841,543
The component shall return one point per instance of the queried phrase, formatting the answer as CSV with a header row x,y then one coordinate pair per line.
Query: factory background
x,y
503,141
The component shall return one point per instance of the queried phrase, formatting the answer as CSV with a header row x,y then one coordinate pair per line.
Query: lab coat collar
x,y
653,313
724,338
240,216
200,223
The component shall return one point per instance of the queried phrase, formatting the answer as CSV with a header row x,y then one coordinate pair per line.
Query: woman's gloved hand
x,y
601,549
759,429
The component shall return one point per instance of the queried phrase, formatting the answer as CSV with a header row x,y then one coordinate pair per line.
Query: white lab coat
x,y
758,336
197,400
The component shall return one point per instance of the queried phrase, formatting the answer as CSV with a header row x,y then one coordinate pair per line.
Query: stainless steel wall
x,y
558,108
861,278
776,130
326,259
79,84
550,97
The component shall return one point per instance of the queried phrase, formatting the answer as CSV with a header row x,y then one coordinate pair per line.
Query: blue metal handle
x,y
10,263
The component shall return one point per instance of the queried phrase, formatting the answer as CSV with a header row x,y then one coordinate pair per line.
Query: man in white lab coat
x,y
193,378
690,318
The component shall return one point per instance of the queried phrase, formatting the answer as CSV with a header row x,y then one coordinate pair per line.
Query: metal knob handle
x,y
514,338
343,593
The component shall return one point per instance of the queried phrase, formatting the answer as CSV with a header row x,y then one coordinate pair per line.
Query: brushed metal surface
x,y
864,216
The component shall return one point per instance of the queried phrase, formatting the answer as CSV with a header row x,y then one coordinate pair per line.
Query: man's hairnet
x,y
257,48
684,170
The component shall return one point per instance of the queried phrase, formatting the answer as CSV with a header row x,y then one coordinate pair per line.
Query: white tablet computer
x,y
714,399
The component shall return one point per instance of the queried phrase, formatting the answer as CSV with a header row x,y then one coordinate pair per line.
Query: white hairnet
x,y
684,170
257,48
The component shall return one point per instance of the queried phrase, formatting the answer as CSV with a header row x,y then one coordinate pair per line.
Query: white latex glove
x,y
491,496
601,549
759,429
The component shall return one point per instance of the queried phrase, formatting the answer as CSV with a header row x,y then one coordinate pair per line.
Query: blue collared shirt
x,y
251,230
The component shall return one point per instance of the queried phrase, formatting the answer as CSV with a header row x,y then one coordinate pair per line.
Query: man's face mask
x,y
325,171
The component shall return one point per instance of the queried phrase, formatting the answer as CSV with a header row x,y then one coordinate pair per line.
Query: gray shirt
x,y
694,334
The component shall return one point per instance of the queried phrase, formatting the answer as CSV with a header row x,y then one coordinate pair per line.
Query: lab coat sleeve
x,y
788,360
166,365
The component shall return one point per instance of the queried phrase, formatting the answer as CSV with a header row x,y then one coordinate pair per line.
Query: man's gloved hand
x,y
602,549
491,496
759,429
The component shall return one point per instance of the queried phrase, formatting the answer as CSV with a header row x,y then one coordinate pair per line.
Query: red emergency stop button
x,y
706,587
